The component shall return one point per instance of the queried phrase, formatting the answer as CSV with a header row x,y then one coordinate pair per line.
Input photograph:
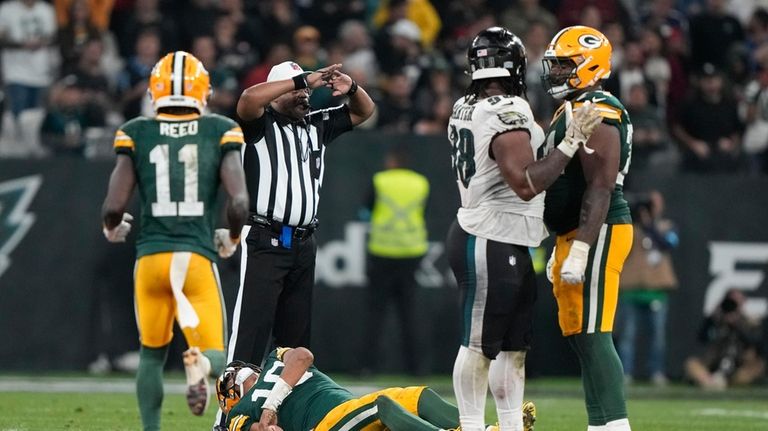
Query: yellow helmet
x,y
179,80
578,57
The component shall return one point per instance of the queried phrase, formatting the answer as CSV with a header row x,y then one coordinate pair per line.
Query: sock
x,y
597,428
595,415
618,425
396,418
149,385
470,382
506,377
601,365
437,411
218,360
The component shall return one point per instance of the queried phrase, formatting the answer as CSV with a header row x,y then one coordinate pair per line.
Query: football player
x,y
291,393
496,144
178,159
585,207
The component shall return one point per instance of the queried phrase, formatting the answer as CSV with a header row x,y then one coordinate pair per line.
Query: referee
x,y
283,162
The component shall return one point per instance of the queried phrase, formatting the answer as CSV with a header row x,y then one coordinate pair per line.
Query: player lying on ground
x,y
294,395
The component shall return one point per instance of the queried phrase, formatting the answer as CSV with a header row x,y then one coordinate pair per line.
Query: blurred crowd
x,y
692,73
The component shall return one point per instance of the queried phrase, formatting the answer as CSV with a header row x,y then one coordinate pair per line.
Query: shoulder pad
x,y
608,106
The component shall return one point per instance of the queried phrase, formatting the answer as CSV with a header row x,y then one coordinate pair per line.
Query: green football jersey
x,y
176,160
310,400
563,199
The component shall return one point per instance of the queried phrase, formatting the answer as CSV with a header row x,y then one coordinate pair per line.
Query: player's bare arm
x,y
233,179
513,154
600,171
361,105
297,361
121,184
255,99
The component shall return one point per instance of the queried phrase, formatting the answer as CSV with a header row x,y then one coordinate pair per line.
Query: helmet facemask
x,y
559,75
229,386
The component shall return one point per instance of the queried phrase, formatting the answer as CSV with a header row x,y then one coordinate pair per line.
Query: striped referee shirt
x,y
283,162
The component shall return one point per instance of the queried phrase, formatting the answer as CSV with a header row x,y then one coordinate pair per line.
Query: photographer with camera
x,y
732,351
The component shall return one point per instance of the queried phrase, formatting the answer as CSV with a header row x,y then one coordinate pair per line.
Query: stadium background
x,y
67,293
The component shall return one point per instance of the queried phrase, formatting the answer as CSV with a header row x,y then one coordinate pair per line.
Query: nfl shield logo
x,y
512,260
274,242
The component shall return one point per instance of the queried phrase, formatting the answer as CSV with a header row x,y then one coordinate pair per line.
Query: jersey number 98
x,y
463,156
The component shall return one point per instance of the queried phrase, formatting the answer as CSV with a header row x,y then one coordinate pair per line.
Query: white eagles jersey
x,y
489,207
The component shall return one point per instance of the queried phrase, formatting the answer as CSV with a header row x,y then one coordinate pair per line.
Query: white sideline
x,y
122,385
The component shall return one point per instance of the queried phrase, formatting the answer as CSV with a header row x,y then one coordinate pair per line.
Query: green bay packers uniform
x,y
587,307
316,402
177,160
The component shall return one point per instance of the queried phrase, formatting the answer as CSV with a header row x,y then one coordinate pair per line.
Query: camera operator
x,y
732,352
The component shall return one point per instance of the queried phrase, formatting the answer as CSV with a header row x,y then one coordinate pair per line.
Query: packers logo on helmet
x,y
578,57
179,80
229,385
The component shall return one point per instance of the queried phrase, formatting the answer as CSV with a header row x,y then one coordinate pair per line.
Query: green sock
x,y
437,411
218,361
149,385
396,418
603,377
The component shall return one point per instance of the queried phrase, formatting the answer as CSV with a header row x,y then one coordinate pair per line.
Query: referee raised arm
x,y
283,162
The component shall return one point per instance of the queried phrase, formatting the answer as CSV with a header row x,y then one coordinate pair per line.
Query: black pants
x,y
275,296
498,288
391,281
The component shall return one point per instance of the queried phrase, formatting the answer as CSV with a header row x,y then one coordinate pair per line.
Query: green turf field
x,y
23,407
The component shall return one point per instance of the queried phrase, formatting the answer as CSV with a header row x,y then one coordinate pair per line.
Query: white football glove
x,y
224,243
119,232
550,266
572,271
581,123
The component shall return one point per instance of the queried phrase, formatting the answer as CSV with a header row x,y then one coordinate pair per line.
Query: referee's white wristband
x,y
277,395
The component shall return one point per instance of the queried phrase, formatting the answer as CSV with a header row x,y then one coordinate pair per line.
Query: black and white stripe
x,y
284,163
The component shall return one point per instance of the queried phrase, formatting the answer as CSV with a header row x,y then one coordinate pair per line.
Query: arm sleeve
x,y
123,143
509,114
335,122
240,422
253,130
232,139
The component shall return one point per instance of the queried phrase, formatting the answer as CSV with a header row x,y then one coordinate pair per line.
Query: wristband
x,y
276,396
352,88
579,249
300,81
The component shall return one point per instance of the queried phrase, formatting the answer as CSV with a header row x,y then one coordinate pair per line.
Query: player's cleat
x,y
197,368
492,428
529,415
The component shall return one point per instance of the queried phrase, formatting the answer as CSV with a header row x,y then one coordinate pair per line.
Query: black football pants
x,y
274,302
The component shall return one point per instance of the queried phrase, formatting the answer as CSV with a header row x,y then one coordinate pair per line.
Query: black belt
x,y
274,226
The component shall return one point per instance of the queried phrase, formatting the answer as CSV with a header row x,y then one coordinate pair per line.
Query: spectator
x,y
536,40
234,53
27,29
396,245
311,56
714,34
656,68
676,47
436,122
645,283
278,53
570,11
223,81
356,46
438,83
396,110
402,50
63,129
279,20
134,79
327,14
91,77
708,127
420,12
756,133
663,15
145,15
196,20
650,132
520,17
247,28
731,353
630,73
98,12
72,37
